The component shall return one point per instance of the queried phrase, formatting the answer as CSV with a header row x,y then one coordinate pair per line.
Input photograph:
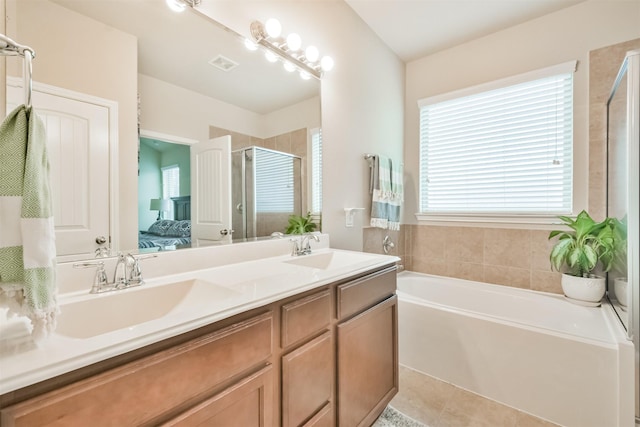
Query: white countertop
x,y
247,285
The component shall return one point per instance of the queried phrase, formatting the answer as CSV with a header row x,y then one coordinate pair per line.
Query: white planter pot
x,y
620,290
588,289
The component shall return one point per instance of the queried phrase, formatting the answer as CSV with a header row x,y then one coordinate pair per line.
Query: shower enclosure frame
x,y
630,74
245,204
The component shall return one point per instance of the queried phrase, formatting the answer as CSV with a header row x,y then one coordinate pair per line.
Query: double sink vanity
x,y
243,335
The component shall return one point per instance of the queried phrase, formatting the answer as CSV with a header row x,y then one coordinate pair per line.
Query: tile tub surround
x,y
501,256
440,404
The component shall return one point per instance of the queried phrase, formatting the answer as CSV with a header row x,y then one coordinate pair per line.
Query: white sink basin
x,y
329,260
99,314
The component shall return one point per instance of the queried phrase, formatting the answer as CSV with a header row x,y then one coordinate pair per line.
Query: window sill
x,y
497,221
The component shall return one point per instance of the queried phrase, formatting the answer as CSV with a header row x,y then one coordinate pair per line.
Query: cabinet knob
x,y
101,240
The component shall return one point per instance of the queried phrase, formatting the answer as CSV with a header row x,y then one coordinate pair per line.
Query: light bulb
x,y
304,75
312,54
271,57
326,63
250,45
294,42
176,5
273,27
289,66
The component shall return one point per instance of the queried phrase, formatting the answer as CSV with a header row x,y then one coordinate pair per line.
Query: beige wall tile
x,y
299,142
508,276
283,142
429,242
429,266
465,270
464,244
540,249
546,281
507,247
270,143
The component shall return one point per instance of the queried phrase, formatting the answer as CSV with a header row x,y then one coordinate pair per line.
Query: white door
x,y
211,191
78,148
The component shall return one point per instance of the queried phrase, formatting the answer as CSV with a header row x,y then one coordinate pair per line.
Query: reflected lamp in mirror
x,y
160,205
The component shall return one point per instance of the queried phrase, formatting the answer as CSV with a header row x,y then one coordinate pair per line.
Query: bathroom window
x,y
503,148
170,186
274,180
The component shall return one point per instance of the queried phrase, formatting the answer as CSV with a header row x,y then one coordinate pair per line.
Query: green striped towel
x,y
388,194
27,239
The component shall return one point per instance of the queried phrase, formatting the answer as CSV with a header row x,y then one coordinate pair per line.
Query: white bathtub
x,y
532,351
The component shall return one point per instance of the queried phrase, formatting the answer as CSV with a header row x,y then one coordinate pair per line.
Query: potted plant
x,y
581,249
299,224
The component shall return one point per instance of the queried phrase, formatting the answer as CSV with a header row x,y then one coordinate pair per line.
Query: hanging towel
x,y
387,196
27,239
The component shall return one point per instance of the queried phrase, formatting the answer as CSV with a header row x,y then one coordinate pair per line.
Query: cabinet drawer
x,y
307,380
360,294
304,317
248,403
145,390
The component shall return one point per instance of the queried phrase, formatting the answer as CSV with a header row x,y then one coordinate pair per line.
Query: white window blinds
x,y
274,182
170,186
316,171
507,150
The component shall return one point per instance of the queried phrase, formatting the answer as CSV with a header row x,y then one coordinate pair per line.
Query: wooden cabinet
x,y
307,380
324,358
152,388
367,363
247,403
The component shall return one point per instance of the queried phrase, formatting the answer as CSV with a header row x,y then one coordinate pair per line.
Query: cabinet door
x,y
307,380
367,364
248,403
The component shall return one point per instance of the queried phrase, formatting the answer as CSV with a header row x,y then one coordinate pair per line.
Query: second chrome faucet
x,y
302,244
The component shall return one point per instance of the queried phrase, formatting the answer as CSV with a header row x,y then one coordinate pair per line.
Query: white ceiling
x,y
176,47
416,28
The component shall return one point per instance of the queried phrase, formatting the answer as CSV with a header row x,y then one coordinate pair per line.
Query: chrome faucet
x,y
302,245
127,273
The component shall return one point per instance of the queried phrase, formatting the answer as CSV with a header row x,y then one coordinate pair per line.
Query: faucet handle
x,y
135,273
100,281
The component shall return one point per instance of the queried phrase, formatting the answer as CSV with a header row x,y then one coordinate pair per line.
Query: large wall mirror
x,y
162,83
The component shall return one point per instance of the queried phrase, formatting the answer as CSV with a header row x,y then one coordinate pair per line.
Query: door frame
x,y
112,108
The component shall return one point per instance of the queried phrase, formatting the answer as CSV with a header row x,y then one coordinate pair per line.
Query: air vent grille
x,y
223,63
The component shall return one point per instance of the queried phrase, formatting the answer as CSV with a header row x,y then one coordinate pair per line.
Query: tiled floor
x,y
440,404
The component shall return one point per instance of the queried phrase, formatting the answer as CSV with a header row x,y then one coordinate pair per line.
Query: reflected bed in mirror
x,y
183,97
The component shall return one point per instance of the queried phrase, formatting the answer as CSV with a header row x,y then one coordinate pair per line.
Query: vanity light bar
x,y
268,38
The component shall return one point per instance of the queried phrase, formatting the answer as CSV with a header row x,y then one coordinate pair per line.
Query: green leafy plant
x,y
584,246
299,224
619,266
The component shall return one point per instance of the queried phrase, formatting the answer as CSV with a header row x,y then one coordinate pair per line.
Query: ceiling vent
x,y
223,63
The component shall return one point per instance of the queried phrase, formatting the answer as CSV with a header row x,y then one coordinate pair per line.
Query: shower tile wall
x,y
294,142
510,257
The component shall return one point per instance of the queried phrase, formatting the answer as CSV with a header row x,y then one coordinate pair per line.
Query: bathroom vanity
x,y
321,354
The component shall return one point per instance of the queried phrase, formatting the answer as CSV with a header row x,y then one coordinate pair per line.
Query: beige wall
x,y
86,56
